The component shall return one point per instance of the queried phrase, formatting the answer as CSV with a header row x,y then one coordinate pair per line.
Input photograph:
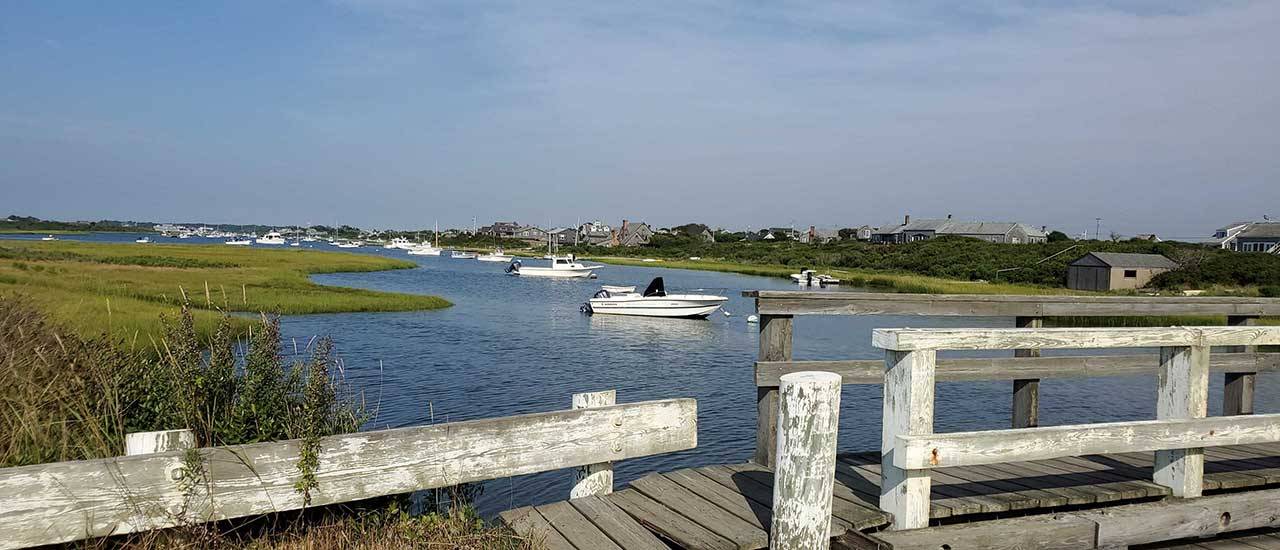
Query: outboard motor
x,y
514,266
655,288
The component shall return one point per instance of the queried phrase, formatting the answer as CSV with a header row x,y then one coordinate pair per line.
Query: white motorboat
x,y
561,267
619,289
653,302
400,243
809,277
143,240
350,244
49,238
272,237
462,255
425,249
239,242
497,256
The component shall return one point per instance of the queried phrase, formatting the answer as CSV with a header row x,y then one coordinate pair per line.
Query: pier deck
x,y
729,507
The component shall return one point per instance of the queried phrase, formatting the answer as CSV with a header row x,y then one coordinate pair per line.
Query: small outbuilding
x,y
1115,271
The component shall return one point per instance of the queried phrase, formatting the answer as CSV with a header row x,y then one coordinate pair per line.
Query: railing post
x,y
593,479
1184,393
808,421
1237,387
145,443
1026,392
775,345
908,410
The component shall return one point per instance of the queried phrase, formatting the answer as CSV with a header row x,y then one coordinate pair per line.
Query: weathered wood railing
x,y
68,501
910,449
778,308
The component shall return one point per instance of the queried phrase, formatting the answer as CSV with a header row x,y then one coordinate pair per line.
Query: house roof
x,y
951,227
1122,259
1262,229
1233,226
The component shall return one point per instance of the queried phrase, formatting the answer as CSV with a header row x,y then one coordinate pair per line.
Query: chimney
x,y
1044,229
906,220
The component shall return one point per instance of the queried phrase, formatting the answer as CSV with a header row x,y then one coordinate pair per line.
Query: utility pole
x,y
1097,229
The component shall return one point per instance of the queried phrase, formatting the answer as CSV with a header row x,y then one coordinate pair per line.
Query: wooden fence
x,y
778,308
68,501
910,449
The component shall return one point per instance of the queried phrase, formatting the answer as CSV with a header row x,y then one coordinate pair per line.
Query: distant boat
x,y
561,267
400,243
49,238
497,256
272,237
809,277
349,244
295,243
143,240
461,255
308,239
425,249
653,302
239,242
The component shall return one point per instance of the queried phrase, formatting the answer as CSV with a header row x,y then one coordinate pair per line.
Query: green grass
x,y
12,231
123,287
897,282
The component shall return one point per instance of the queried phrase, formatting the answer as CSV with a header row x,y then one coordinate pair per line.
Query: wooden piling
x,y
1184,393
908,410
1026,391
145,443
1237,387
593,479
808,420
775,345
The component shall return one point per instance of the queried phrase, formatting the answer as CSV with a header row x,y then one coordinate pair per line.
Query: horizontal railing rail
x,y
871,371
777,310
910,449
67,501
789,302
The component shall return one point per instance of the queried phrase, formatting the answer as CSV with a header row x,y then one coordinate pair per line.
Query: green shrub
x,y
1270,291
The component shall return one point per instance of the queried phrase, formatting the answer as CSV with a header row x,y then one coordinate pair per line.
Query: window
x,y
1131,274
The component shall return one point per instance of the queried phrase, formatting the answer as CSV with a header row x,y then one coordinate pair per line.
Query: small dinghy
x,y
653,302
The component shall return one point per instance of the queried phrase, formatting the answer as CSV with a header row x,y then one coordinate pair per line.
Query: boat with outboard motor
x,y
653,302
809,277
561,267
497,256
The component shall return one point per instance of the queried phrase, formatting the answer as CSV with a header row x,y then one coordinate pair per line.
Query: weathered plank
x,y
680,501
65,501
1056,532
847,506
575,528
667,523
909,339
529,523
775,345
593,479
995,446
772,302
908,412
808,421
620,527
145,443
1183,393
1182,518
871,371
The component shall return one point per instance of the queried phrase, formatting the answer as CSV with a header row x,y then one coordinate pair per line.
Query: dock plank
x,y
579,531
530,524
697,509
666,523
620,527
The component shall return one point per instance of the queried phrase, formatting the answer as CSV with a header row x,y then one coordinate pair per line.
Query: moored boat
x,y
497,256
653,302
462,255
272,237
239,242
566,267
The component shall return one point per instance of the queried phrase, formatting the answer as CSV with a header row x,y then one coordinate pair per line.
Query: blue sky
x,y
1155,116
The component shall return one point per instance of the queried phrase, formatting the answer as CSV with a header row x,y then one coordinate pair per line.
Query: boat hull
x,y
557,273
658,307
502,259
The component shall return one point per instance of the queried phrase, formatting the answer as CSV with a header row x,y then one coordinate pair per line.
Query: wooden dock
x,y
730,506
1114,485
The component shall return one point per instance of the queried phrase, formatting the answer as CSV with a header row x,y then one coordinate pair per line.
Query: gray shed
x,y
1115,270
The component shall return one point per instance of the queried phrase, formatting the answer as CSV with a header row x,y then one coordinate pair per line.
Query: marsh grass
x,y
122,288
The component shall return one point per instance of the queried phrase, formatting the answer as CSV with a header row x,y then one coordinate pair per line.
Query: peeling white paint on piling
x,y
808,419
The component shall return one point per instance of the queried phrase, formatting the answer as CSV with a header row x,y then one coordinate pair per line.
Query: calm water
x,y
512,345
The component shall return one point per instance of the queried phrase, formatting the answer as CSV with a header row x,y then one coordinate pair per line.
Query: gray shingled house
x,y
1115,271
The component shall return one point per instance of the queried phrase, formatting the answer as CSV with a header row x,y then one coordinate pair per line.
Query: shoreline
x,y
896,282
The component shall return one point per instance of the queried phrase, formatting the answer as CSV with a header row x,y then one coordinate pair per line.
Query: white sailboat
x,y
462,255
497,256
653,302
238,241
425,249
